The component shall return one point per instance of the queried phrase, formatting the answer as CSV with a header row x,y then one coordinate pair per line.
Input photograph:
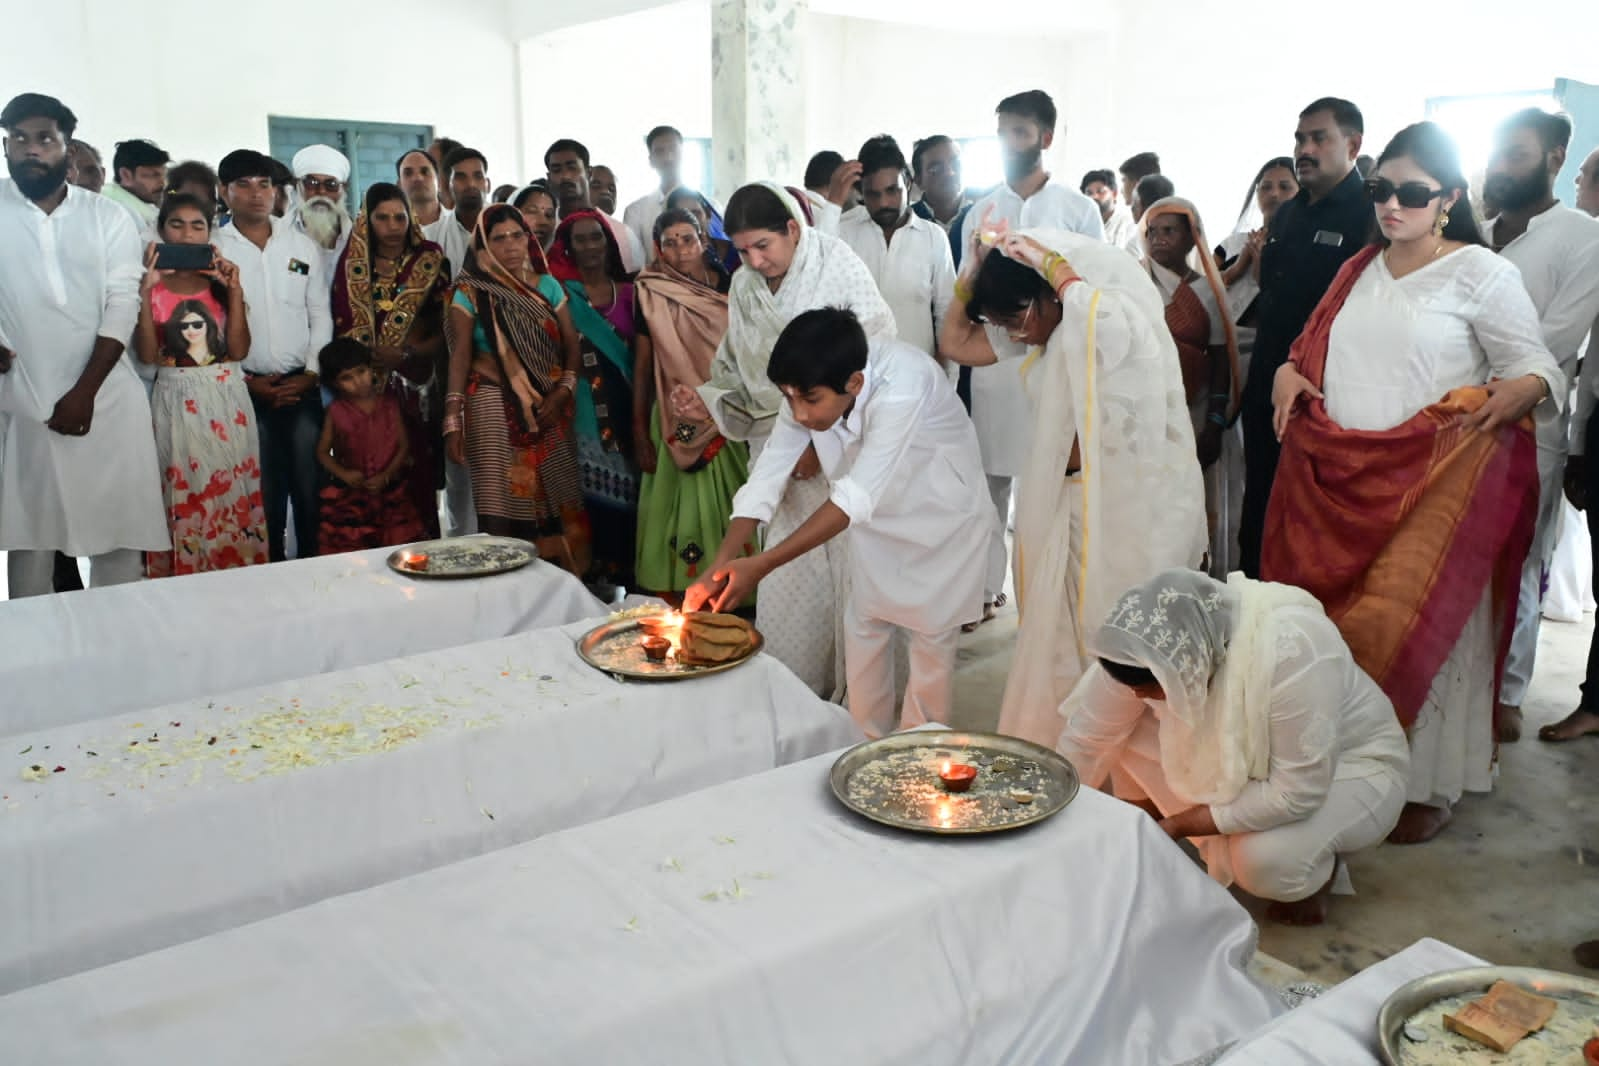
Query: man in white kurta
x,y
1027,200
78,471
906,489
1556,248
908,256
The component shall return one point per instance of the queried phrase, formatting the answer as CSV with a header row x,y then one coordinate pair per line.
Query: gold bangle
x,y
963,292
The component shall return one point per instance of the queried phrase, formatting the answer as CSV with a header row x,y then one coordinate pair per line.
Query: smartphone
x,y
183,256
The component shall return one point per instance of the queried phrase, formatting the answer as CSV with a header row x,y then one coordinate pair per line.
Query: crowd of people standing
x,y
1283,501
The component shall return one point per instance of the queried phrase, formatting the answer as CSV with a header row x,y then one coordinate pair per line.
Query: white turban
x,y
320,159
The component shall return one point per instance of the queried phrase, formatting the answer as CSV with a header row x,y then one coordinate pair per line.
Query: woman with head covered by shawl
x,y
587,260
1201,326
513,375
1236,715
389,291
1111,493
789,268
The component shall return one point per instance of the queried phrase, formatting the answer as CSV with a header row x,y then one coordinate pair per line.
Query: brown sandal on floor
x,y
988,616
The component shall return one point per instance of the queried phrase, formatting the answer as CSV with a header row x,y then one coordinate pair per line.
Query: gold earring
x,y
1443,222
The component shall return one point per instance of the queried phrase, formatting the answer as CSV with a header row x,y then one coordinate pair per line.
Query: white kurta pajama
x,y
915,273
1558,257
67,279
1396,347
1000,410
1329,775
800,607
1108,381
903,466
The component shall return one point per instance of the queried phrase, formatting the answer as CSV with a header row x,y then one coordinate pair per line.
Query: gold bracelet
x,y
963,292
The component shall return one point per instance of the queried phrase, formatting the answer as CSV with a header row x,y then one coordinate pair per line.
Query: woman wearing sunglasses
x,y
1408,484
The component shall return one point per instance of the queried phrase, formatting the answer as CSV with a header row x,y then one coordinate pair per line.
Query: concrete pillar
x,y
757,92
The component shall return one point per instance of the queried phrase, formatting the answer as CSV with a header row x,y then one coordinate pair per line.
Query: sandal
x,y
988,616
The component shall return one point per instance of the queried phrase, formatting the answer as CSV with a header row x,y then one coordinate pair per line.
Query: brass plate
x,y
1413,1004
613,648
466,556
895,781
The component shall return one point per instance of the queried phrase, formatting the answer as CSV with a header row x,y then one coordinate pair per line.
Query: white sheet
x,y
83,655
145,845
1340,1026
756,922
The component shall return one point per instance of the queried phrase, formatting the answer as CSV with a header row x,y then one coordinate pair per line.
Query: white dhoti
x,y
1570,593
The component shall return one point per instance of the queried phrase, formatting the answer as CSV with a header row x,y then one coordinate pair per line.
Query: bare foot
x,y
988,616
1420,823
1587,954
1312,910
1579,723
1507,723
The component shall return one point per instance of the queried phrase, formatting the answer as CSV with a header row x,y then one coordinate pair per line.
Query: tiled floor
x,y
1515,878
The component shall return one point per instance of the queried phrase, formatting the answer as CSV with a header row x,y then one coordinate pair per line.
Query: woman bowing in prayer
x,y
587,259
1408,485
789,268
1235,714
691,472
513,375
1202,328
1111,493
389,291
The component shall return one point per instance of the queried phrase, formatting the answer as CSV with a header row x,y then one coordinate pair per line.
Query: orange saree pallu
x,y
1398,532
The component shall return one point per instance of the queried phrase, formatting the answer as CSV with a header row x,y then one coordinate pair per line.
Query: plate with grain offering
x,y
462,557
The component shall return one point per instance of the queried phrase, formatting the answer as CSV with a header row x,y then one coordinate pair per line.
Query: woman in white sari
x,y
788,268
1236,715
1112,493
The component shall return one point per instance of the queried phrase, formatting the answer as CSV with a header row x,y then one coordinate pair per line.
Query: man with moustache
x,y
1027,200
602,188
602,194
84,166
320,176
418,179
1121,229
140,170
936,166
467,173
1310,238
665,145
288,303
1556,248
78,468
907,255
567,162
439,151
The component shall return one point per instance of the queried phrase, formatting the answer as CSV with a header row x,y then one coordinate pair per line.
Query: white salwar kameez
x,y
903,466
1109,381
1329,775
1396,347
800,605
66,279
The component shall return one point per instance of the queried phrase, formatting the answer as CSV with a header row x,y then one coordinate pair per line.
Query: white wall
x,y
200,78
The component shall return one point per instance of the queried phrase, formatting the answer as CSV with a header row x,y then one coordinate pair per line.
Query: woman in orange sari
x,y
1408,486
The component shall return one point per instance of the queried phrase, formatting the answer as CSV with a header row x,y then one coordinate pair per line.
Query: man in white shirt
x,y
322,212
567,162
665,145
832,186
901,458
78,468
1027,200
907,255
1133,170
287,296
466,171
1556,248
1120,229
84,166
140,172
418,178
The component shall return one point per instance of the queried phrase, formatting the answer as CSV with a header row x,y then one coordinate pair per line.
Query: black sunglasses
x,y
1411,193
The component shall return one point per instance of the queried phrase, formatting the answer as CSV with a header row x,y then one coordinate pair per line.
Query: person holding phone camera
x,y
77,460
194,329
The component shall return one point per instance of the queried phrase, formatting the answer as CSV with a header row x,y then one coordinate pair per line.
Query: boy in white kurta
x,y
907,486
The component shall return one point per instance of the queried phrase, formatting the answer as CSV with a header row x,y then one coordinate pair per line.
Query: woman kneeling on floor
x,y
1235,714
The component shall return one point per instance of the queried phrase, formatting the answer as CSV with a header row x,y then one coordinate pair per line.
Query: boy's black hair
x,y
820,348
341,354
244,163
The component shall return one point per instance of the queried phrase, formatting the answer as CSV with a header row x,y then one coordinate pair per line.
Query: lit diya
x,y
414,560
656,648
957,777
662,633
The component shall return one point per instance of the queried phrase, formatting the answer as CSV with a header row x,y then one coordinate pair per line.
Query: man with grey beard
x,y
320,212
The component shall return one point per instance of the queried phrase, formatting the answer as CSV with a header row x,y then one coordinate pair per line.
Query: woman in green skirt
x,y
690,470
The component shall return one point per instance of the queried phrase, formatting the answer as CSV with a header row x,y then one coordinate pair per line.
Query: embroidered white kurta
x,y
915,272
999,402
903,466
66,279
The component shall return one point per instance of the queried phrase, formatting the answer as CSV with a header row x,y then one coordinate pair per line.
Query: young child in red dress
x,y
364,448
